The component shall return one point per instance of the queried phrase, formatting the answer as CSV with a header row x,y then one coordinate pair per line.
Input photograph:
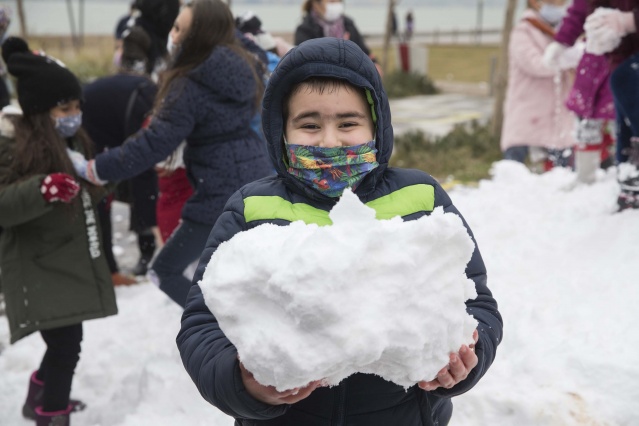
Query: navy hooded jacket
x,y
211,108
361,399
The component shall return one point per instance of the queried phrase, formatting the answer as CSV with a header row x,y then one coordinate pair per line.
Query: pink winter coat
x,y
534,111
590,96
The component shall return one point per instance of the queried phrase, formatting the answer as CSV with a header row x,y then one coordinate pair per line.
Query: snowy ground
x,y
562,265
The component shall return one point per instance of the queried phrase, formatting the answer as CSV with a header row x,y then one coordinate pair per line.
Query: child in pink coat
x,y
535,121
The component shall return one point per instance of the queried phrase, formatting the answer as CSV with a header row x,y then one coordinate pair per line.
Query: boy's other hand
x,y
269,395
457,369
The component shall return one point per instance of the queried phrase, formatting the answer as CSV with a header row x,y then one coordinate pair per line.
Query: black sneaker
x,y
141,267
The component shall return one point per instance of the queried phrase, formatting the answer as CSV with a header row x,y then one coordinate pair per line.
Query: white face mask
x,y
552,14
170,46
333,11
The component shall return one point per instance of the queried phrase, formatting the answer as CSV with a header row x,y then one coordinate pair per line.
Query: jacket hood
x,y
325,57
226,73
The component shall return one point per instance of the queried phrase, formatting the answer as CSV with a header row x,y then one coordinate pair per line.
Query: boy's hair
x,y
321,85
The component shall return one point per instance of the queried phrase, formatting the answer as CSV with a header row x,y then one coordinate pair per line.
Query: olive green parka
x,y
52,265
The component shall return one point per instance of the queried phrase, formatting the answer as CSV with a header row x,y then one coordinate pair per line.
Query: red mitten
x,y
59,187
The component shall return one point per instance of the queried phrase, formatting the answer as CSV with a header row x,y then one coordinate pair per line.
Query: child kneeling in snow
x,y
328,126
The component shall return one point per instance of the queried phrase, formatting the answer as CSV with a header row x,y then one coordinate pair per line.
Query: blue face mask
x,y
69,125
552,14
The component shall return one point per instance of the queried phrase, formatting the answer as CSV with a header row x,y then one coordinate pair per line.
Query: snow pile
x,y
304,303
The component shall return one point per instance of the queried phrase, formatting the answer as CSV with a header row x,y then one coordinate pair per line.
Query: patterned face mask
x,y
69,125
331,170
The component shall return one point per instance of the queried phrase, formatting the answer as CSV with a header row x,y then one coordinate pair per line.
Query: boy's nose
x,y
330,139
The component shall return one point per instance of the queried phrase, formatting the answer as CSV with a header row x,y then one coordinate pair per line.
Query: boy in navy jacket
x,y
328,126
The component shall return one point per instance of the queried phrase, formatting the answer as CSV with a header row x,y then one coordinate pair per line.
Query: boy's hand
x,y
457,370
269,395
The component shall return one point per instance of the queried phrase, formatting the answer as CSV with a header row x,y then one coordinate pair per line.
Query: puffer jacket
x,y
211,108
54,272
533,109
361,399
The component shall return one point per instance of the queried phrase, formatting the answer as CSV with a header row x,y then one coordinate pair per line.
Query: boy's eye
x,y
310,126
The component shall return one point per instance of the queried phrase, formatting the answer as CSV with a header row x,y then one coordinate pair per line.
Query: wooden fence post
x,y
501,80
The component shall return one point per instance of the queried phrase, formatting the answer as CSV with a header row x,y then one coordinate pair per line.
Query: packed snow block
x,y
304,303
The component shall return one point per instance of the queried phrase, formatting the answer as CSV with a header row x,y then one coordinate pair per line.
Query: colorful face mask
x,y
331,170
69,125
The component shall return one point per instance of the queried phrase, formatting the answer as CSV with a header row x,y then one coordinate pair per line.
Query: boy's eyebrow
x,y
317,115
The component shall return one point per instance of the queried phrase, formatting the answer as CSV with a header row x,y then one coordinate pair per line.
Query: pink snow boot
x,y
34,399
53,418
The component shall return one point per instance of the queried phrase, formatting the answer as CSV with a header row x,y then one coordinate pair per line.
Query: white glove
x,y
552,54
84,168
571,56
605,28
79,163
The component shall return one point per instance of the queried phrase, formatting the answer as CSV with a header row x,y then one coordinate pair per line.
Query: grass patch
x,y
465,154
400,84
92,60
467,63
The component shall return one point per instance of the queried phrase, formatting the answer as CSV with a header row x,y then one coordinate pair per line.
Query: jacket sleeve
x,y
207,354
525,54
484,309
572,26
169,127
21,202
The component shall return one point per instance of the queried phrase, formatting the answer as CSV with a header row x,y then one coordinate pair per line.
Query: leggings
x,y
58,365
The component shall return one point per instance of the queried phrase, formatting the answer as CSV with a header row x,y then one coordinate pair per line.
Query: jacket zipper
x,y
339,413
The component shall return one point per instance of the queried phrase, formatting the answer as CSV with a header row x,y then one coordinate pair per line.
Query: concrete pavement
x,y
436,115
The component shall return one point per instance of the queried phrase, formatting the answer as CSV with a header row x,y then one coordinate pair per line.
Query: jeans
x,y
184,247
624,83
516,153
58,365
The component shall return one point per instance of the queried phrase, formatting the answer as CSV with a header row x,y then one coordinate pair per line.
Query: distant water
x,y
51,16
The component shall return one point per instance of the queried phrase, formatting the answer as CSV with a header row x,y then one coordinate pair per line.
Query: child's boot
x,y
34,399
628,175
53,418
146,244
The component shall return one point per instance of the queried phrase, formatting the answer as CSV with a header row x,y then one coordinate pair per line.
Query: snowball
x,y
304,303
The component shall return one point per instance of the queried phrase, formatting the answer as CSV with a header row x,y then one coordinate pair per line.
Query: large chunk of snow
x,y
304,303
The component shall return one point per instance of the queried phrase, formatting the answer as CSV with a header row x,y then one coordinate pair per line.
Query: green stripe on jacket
x,y
403,202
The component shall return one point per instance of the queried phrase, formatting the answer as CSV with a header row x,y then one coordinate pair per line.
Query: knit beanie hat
x,y
42,81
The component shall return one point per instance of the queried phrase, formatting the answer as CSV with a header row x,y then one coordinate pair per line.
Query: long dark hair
x,y
40,149
212,25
